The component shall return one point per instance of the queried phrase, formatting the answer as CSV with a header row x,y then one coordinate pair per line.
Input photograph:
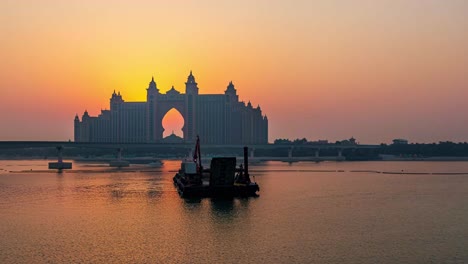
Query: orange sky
x,y
330,69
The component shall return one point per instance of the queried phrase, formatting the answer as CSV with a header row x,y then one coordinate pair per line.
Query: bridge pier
x,y
340,155
290,152
119,162
60,165
190,154
59,154
119,154
252,153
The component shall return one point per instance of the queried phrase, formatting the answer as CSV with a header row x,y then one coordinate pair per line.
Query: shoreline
x,y
144,159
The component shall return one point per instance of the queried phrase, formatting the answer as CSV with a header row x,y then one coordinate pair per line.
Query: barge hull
x,y
190,191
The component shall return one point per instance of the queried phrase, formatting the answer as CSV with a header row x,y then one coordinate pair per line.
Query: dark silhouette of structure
x,y
216,118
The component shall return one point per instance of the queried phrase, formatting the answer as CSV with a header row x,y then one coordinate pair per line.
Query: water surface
x,y
330,212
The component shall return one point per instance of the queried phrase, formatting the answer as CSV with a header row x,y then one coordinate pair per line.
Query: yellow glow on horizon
x,y
311,60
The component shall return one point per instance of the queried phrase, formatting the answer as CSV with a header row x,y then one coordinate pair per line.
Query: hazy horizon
x,y
374,70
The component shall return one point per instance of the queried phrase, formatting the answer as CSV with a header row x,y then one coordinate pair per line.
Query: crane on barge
x,y
223,180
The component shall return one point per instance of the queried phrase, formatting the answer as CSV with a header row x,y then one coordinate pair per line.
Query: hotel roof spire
x,y
152,84
191,78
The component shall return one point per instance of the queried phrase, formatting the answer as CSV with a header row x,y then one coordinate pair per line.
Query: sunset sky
x,y
324,69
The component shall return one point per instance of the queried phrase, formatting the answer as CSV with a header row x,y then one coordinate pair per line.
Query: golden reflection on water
x,y
306,213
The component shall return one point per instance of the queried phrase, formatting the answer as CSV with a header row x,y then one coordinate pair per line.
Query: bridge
x,y
49,144
11,145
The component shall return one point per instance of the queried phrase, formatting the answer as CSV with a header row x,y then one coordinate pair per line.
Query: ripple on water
x,y
306,213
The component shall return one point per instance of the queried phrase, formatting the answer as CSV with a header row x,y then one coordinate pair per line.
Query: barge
x,y
222,179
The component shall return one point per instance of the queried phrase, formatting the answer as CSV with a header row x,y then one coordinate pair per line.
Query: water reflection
x,y
309,213
116,187
191,206
245,202
222,207
60,186
192,200
120,186
117,193
154,189
228,210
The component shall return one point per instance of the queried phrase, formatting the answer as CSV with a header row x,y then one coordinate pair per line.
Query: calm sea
x,y
330,212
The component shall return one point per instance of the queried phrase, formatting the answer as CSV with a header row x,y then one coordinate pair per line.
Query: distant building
x,y
319,142
348,142
400,141
216,118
